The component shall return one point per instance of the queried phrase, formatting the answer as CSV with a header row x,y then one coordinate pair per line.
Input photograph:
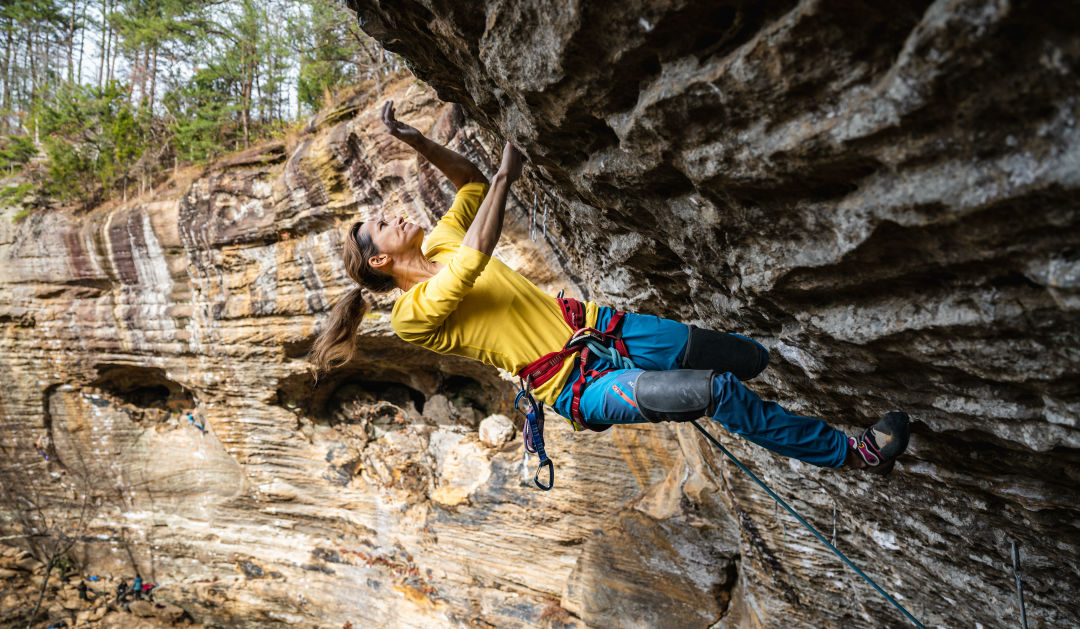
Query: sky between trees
x,y
96,95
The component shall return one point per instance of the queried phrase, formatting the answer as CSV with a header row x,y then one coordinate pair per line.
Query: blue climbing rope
x,y
624,362
610,354
806,524
534,435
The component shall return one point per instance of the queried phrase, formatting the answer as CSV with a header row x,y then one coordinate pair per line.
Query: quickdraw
x,y
607,345
533,434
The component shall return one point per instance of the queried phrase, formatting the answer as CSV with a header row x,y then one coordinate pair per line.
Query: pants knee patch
x,y
677,395
720,351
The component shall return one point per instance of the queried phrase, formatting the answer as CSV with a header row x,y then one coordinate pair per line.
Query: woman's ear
x,y
379,261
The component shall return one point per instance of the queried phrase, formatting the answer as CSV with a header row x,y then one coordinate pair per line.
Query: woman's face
x,y
396,238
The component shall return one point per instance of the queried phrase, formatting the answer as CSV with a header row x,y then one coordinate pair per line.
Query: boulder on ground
x,y
10,601
168,613
163,612
496,430
29,564
439,409
142,609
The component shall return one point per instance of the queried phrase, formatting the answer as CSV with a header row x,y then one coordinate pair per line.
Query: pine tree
x,y
92,139
167,81
329,45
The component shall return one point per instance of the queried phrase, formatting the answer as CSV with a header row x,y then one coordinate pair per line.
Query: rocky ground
x,y
21,577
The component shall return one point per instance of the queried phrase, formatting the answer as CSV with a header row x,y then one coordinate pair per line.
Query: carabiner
x,y
551,475
583,336
532,433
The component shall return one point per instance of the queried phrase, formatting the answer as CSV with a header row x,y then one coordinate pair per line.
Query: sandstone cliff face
x,y
368,499
886,196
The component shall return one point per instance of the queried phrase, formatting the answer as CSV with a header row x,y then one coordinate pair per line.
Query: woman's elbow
x,y
411,336
475,176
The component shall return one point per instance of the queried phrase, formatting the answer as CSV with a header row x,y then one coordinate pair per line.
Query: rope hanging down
x,y
534,444
806,524
1018,575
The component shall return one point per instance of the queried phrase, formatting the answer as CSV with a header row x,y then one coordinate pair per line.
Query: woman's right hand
x,y
511,163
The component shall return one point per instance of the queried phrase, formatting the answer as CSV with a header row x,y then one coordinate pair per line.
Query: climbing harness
x,y
533,434
608,344
1018,575
585,340
810,528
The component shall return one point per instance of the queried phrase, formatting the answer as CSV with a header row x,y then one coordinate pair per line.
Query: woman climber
x,y
459,300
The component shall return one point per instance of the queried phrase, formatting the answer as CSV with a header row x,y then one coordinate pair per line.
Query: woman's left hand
x,y
511,163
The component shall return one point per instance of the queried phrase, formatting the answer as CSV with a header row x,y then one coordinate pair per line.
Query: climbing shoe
x,y
879,445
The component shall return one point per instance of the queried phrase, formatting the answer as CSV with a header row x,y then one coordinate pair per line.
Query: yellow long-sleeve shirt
x,y
478,307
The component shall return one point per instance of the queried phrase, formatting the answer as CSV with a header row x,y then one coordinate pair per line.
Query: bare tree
x,y
49,504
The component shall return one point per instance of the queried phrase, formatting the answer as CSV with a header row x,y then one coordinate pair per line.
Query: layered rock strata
x,y
883,194
153,358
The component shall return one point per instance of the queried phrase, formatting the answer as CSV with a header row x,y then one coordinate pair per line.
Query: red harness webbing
x,y
546,367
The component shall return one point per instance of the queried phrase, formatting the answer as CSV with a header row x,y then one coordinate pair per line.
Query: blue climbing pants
x,y
659,344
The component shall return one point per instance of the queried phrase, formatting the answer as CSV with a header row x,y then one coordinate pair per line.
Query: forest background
x,y
106,97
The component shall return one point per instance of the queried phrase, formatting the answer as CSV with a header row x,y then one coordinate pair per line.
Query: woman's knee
x,y
726,352
676,395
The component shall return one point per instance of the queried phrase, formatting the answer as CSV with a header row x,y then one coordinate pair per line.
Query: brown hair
x,y
336,344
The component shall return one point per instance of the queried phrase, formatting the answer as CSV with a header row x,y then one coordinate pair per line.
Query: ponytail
x,y
336,344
